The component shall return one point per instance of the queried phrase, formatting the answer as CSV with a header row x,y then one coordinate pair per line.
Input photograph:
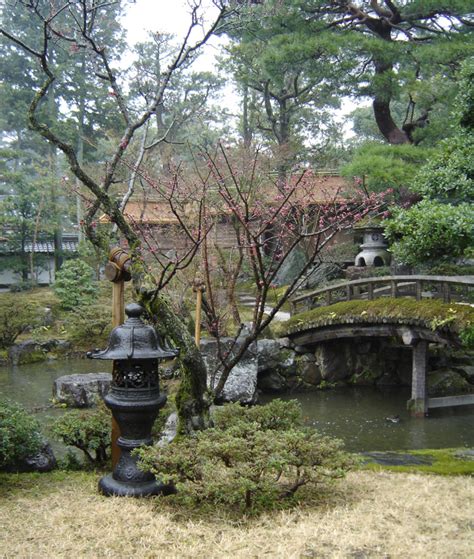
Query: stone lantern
x,y
374,248
134,400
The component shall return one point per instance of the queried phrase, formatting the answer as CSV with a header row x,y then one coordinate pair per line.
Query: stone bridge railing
x,y
447,288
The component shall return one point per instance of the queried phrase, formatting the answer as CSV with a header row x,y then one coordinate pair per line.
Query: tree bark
x,y
193,399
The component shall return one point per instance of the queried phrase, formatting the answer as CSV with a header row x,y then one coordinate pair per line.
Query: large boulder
x,y
335,360
81,391
291,268
322,274
31,351
241,385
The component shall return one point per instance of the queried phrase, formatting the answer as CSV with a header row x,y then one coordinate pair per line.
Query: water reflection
x,y
360,416
356,415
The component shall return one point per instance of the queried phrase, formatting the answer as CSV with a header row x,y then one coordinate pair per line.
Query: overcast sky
x,y
169,16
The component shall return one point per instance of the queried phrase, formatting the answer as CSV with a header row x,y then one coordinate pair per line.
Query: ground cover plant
x,y
444,461
250,460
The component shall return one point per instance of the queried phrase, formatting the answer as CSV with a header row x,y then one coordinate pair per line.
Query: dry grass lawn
x,y
370,514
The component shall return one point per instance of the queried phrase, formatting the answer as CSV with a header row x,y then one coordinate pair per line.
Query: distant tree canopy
x,y
402,56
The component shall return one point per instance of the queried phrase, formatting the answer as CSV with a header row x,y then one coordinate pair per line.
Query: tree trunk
x,y
193,399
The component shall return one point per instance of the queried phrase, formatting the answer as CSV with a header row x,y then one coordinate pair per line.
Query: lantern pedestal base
x,y
110,487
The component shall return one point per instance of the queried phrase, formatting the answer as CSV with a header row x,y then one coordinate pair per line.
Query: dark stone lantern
x,y
134,400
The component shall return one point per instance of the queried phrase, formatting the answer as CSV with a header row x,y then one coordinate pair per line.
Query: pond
x,y
357,415
363,417
32,386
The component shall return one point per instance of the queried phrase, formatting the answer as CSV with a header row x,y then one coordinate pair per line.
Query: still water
x,y
362,417
32,386
355,415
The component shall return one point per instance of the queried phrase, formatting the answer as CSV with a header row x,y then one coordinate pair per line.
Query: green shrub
x,y
20,435
430,231
89,324
16,316
75,285
88,431
252,459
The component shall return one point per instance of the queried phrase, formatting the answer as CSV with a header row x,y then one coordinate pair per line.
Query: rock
x,y
291,268
446,381
390,458
285,343
467,371
465,454
271,381
170,430
43,461
30,351
334,360
308,370
241,386
268,354
81,391
322,274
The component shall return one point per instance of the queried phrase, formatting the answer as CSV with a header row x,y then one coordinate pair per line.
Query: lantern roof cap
x,y
133,340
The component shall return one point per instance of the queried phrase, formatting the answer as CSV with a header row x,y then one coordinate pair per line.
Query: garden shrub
x,y
252,459
75,285
88,431
20,435
16,316
89,324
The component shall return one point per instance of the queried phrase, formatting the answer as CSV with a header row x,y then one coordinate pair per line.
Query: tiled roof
x,y
69,244
320,189
48,246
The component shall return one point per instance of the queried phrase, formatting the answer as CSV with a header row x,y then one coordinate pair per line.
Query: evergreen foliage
x,y
442,225
16,316
89,431
20,435
252,459
75,285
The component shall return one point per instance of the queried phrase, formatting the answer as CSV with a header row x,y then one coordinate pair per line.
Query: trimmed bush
x,y
88,431
20,435
252,459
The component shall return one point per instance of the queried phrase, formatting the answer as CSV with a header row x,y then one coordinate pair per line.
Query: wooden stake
x,y
118,317
197,335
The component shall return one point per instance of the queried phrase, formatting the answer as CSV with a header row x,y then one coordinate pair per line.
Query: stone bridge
x,y
416,333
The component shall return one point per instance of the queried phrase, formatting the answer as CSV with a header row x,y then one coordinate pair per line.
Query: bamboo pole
x,y
118,317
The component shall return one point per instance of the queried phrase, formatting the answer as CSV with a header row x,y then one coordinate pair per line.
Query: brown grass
x,y
370,514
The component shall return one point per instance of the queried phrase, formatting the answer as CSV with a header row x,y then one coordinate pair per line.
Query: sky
x,y
169,16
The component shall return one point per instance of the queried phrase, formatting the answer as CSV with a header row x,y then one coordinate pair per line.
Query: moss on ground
x,y
446,462
433,314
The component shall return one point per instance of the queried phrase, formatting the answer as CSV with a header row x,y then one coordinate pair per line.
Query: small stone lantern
x,y
373,249
134,400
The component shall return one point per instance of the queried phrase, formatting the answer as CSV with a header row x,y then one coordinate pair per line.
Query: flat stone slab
x,y
396,459
81,391
467,454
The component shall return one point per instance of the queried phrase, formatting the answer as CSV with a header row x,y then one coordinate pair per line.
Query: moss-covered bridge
x,y
414,321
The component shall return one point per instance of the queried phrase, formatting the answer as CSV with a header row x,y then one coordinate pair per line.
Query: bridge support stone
x,y
418,404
